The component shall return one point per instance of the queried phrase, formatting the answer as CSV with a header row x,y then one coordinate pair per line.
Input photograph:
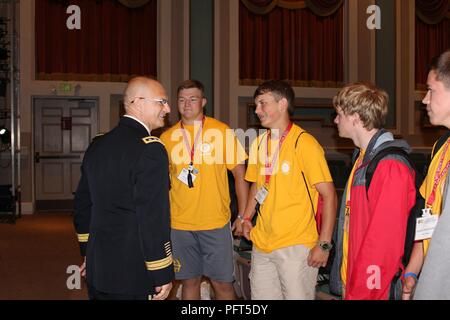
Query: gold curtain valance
x,y
133,3
321,8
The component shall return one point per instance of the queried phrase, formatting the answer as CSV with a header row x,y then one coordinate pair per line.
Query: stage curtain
x,y
431,38
115,42
432,11
294,45
319,7
324,8
133,3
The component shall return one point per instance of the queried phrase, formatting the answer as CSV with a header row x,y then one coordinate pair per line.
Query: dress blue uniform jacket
x,y
122,213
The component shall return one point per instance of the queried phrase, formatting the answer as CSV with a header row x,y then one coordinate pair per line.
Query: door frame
x,y
33,127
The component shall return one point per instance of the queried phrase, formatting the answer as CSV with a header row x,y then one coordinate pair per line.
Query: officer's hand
x,y
83,268
317,257
237,227
408,287
162,292
246,228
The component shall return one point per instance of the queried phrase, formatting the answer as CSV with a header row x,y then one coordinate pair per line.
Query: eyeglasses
x,y
162,102
191,100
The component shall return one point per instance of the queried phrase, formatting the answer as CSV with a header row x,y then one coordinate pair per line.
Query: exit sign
x,y
66,89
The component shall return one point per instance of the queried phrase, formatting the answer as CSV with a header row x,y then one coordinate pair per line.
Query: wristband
x,y
410,274
240,217
247,219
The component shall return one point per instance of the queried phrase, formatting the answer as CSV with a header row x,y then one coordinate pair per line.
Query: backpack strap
x,y
371,167
303,174
296,141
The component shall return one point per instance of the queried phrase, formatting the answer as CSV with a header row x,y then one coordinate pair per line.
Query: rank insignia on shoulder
x,y
151,139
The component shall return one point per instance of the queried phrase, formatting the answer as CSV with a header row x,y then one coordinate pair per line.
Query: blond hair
x,y
366,100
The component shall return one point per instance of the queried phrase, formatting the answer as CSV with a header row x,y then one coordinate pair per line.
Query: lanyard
x,y
186,140
269,166
438,175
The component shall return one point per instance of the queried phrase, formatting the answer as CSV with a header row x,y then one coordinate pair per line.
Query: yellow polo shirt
x,y
207,205
286,218
427,185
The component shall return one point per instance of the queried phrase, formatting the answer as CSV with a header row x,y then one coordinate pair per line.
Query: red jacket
x,y
377,229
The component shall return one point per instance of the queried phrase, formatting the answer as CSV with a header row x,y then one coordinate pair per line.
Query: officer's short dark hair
x,y
192,83
279,89
441,65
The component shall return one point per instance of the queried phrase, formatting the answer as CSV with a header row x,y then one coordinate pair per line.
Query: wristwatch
x,y
241,218
325,246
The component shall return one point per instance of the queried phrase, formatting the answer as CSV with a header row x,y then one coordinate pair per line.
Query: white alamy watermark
x,y
74,280
73,22
228,147
374,21
374,279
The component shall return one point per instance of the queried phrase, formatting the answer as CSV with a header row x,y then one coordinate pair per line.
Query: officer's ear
x,y
132,105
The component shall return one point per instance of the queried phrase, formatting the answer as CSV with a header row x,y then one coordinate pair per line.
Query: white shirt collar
x,y
145,126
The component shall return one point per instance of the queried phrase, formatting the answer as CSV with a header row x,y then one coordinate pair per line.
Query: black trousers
x,y
94,294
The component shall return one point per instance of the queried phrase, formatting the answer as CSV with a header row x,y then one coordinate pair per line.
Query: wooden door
x,y
63,130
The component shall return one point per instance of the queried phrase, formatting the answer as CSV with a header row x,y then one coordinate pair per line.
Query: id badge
x,y
183,176
425,226
261,195
194,170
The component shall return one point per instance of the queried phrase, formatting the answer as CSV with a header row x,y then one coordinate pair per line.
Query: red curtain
x,y
431,40
115,42
432,11
321,8
293,45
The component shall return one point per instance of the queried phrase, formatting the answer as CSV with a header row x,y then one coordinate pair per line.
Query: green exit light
x,y
65,87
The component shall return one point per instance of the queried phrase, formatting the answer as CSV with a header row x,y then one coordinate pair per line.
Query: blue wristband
x,y
410,274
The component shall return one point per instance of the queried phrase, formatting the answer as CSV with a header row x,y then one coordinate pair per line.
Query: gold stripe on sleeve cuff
x,y
168,248
159,264
83,237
